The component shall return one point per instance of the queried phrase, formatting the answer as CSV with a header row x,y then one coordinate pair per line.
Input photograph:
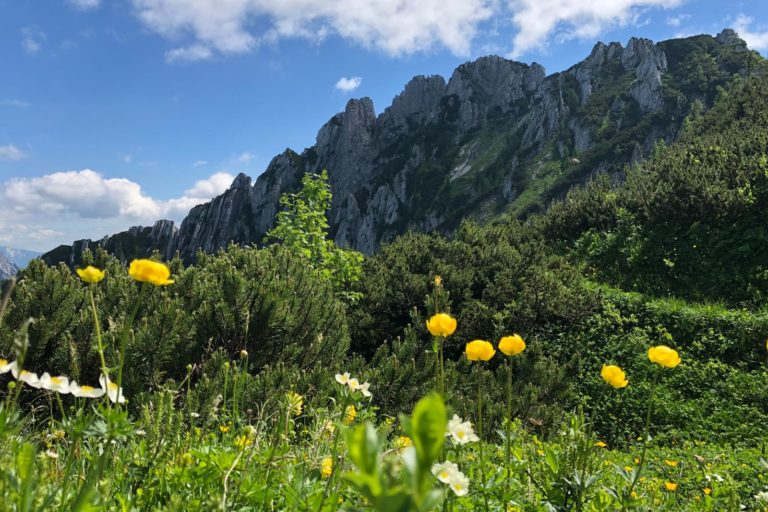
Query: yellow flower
x,y
148,271
671,463
326,467
242,442
479,350
441,324
671,487
664,356
403,442
600,444
224,428
512,345
614,376
90,274
438,281
707,491
295,403
350,413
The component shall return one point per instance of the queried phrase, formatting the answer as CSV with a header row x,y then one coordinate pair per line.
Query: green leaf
x,y
363,444
428,424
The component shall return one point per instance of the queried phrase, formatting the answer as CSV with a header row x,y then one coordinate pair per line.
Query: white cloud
x,y
189,53
42,212
245,157
675,21
756,39
32,39
11,152
348,84
237,26
198,163
85,4
13,103
538,20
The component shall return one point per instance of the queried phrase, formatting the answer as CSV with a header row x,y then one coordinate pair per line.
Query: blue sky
x,y
118,112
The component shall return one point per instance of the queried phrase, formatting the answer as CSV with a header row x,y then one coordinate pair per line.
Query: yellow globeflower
x,y
479,350
441,324
614,376
148,271
90,274
512,345
664,356
438,281
671,487
326,467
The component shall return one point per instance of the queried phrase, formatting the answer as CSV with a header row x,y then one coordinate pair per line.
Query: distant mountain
x,y
19,257
7,268
498,137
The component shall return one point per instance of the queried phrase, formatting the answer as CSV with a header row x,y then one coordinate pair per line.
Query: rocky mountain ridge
x,y
498,137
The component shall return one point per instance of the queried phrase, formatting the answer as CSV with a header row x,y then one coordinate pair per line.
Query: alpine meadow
x,y
507,291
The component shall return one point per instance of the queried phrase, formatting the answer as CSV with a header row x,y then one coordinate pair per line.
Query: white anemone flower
x,y
115,393
85,391
444,471
6,366
29,378
459,483
59,384
342,378
363,388
461,431
353,384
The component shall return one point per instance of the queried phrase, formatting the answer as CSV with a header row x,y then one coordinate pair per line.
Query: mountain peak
x,y
241,181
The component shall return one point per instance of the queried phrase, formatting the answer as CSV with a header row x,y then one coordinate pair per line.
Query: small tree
x,y
302,227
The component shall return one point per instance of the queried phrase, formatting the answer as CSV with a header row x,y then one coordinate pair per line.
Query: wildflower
x,y
295,403
444,471
59,384
459,484
194,415
601,444
243,354
363,388
353,384
441,324
628,469
224,428
186,458
328,428
403,442
52,454
512,345
707,491
342,378
326,467
350,413
461,431
6,366
664,356
614,376
90,274
671,463
479,350
242,442
438,281
114,392
670,486
29,378
148,271
85,391
762,497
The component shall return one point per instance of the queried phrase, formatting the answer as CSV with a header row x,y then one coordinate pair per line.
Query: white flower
x,y
353,384
194,414
59,384
115,394
444,471
461,431
342,378
363,388
29,378
6,367
85,391
459,483
52,454
762,497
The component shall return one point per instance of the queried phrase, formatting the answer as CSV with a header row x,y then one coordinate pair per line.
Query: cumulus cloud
x,y
32,39
11,152
56,208
348,84
237,26
676,21
756,39
538,20
85,4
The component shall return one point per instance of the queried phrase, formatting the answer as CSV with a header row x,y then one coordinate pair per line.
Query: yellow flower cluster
x,y
660,354
143,270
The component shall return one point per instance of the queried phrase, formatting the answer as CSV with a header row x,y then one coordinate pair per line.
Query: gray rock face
x,y
7,269
443,151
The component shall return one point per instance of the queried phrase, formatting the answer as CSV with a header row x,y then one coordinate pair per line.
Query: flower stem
x,y
508,426
126,332
645,432
479,375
